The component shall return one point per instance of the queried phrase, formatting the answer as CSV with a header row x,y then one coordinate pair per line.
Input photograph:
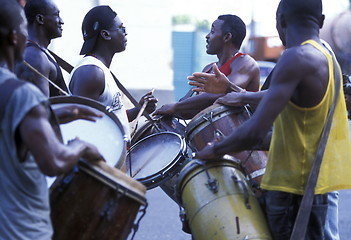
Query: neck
x,y
38,37
225,56
297,35
106,60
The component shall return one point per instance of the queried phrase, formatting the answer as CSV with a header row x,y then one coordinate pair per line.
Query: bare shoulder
x,y
88,80
207,67
37,58
246,62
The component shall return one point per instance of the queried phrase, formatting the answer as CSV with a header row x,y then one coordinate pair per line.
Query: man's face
x,y
118,35
52,21
215,38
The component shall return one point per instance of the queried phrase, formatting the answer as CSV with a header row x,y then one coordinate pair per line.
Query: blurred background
x,y
166,38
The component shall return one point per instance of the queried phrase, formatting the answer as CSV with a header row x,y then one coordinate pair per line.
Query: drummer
x,y
104,35
224,40
44,24
29,146
290,93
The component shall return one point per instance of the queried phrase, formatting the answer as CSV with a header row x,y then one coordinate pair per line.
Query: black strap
x,y
300,227
6,90
59,78
68,67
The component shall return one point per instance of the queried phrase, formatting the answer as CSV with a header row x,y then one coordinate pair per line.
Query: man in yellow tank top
x,y
298,100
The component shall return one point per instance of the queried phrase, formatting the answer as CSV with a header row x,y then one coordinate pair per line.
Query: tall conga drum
x,y
95,202
218,202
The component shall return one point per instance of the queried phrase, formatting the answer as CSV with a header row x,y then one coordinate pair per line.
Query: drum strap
x,y
300,226
68,67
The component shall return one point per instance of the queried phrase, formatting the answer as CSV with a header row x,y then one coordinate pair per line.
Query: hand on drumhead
x,y
231,99
215,82
73,112
90,153
207,153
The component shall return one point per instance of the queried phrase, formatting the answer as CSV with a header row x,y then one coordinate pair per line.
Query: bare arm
x,y
88,81
52,157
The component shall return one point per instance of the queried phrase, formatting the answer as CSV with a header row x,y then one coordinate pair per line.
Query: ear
x,y
105,34
12,38
321,21
39,18
228,37
282,21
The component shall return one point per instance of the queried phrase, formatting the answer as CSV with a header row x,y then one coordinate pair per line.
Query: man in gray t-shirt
x,y
29,146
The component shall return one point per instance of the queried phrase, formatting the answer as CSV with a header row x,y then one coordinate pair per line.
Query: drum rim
x,y
157,178
112,181
216,109
194,164
96,105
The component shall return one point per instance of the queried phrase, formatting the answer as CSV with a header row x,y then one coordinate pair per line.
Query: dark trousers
x,y
281,209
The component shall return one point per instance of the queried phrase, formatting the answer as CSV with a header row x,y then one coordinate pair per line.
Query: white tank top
x,y
112,95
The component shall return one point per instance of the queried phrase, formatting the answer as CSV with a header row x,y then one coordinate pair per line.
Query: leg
x,y
331,228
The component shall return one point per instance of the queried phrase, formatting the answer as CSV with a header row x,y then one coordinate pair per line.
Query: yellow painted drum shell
x,y
223,214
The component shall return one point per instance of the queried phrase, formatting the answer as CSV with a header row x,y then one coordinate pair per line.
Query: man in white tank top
x,y
104,35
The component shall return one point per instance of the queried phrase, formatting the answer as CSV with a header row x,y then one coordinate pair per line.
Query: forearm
x,y
189,107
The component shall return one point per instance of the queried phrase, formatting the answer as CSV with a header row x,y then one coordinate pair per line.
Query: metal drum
x,y
95,202
218,202
218,121
156,159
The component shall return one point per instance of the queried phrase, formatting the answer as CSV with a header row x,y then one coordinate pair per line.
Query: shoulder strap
x,y
300,227
6,90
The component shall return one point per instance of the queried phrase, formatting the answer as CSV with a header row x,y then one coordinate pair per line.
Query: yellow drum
x,y
218,202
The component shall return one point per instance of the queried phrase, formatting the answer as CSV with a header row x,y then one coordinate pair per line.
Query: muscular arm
x,y
245,73
52,157
37,59
88,81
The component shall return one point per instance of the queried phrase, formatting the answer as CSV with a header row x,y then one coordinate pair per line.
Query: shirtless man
x,y
44,24
224,40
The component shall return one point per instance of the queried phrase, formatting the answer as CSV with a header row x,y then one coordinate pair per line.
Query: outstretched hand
x,y
215,82
73,112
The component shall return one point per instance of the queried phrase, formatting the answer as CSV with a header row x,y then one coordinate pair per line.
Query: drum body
x,y
95,202
161,124
156,158
219,204
219,120
105,133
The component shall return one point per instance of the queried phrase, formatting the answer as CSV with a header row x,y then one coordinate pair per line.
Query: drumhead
x,y
153,157
105,133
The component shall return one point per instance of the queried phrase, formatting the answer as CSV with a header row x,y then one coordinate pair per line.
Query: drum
x,y
156,158
218,202
95,202
105,133
219,120
160,124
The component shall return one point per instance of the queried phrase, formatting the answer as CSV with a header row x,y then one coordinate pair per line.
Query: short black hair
x,y
34,7
234,25
10,16
302,9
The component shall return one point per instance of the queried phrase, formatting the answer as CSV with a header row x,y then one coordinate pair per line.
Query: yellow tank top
x,y
296,135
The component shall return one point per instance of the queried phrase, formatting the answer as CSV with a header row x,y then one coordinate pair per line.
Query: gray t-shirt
x,y
24,197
